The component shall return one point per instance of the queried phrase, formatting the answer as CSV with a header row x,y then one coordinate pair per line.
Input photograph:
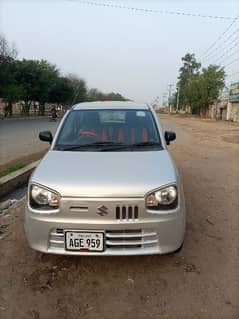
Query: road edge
x,y
16,179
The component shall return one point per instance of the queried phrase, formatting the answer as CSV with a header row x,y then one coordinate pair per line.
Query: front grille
x,y
127,213
116,239
56,239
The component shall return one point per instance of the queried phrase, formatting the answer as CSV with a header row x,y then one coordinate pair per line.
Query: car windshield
x,y
108,130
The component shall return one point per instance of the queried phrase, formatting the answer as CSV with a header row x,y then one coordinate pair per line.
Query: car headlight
x,y
43,198
163,198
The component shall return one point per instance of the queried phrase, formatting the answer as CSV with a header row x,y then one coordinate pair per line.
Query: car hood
x,y
105,174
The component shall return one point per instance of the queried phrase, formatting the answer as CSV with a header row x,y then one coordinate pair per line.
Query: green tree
x,y
189,69
10,89
12,93
93,95
204,88
62,91
96,95
114,97
7,52
38,79
79,89
34,81
48,75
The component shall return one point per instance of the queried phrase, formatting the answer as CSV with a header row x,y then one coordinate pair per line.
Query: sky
x,y
135,53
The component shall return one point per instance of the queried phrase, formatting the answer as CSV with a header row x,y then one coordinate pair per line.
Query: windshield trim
x,y
160,146
108,147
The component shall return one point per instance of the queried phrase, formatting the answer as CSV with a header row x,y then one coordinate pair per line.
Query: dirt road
x,y
202,281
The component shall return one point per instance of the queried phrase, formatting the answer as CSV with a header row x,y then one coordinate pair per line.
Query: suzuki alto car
x,y
107,186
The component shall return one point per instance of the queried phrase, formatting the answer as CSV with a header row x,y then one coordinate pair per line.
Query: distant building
x,y
233,103
218,109
226,107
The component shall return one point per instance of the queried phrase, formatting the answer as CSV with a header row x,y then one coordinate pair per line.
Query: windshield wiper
x,y
146,144
108,146
89,145
131,146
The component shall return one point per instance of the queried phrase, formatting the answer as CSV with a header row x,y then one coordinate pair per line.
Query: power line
x,y
228,51
170,86
232,74
230,63
221,35
223,61
146,10
211,55
225,41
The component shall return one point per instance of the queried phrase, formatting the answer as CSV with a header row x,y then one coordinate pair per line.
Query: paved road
x,y
19,138
200,282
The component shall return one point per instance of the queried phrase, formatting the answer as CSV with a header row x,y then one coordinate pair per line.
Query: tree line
x,y
37,82
197,86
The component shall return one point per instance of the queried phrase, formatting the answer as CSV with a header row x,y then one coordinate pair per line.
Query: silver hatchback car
x,y
107,186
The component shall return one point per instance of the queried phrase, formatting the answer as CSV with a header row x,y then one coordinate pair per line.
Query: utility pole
x,y
164,99
178,92
169,97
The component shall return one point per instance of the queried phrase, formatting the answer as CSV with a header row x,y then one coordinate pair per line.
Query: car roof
x,y
110,105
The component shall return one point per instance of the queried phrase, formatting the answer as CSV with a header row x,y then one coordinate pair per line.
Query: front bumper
x,y
149,233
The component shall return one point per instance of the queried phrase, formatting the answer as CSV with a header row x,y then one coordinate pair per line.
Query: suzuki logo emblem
x,y
102,210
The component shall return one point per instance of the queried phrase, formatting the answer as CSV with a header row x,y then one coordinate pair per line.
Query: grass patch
x,y
11,169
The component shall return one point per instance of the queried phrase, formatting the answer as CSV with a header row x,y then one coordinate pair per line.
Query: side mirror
x,y
46,136
169,136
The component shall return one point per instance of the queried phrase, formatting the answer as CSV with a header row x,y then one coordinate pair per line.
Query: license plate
x,y
84,241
